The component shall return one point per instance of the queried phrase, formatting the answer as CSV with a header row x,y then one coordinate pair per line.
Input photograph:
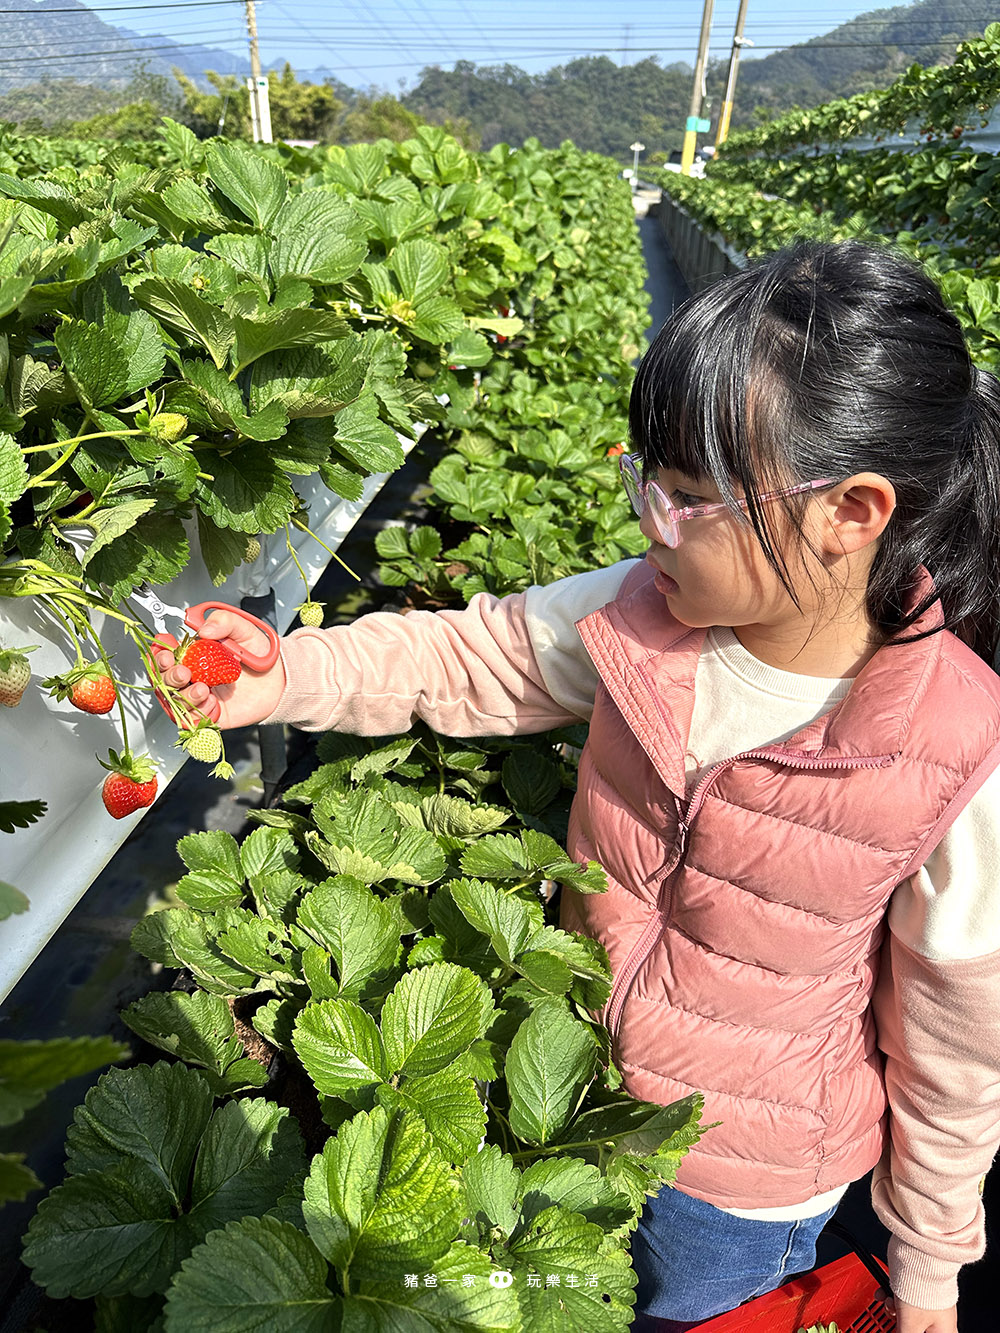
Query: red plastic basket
x,y
842,1293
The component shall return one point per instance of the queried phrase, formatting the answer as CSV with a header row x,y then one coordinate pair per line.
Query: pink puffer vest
x,y
744,919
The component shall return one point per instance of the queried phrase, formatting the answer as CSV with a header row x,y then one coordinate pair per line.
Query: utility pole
x,y
694,121
260,108
739,41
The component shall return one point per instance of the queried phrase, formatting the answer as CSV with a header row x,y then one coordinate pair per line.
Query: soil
x,y
257,1047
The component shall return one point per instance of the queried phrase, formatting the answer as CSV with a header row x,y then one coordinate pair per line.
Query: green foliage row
x,y
437,1101
193,338
939,99
529,479
757,223
942,193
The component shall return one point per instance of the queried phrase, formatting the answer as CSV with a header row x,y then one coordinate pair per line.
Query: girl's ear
x,y
856,512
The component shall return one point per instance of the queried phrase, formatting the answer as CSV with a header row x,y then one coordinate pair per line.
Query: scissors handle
x,y
194,617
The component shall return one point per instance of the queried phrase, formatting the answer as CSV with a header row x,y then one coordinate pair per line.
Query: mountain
x,y
603,106
50,43
868,52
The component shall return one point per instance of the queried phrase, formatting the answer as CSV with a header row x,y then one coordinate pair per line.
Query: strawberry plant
x,y
456,1107
930,101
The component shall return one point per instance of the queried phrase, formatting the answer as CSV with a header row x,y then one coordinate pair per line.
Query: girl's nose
x,y
649,529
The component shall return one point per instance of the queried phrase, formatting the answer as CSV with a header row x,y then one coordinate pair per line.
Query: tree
x,y
386,118
298,110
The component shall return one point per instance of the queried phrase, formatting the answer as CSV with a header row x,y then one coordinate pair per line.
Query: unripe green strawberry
x,y
14,674
252,551
168,426
204,743
311,613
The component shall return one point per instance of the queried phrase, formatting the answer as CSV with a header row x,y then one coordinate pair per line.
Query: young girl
x,y
790,776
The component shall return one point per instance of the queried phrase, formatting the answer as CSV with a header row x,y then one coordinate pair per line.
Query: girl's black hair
x,y
824,360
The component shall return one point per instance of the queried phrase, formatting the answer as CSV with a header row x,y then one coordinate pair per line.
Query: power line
x,y
130,53
114,9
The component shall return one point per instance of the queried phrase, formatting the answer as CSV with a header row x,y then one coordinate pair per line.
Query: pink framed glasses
x,y
666,516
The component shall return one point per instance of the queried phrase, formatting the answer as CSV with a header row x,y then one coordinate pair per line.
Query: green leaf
x,y
422,269
453,817
577,1186
596,1280
449,1106
530,780
132,1208
508,921
177,937
30,1069
198,1028
248,493
360,931
284,329
153,1114
20,814
317,236
108,524
364,837
267,852
257,186
380,1200
341,1048
365,439
550,1063
251,1150
259,944
48,196
491,1184
16,1180
531,855
13,469
13,290
470,349
437,320
183,309
153,550
451,1303
432,1016
555,961
126,1314
12,901
221,549
258,1273
110,1232
95,360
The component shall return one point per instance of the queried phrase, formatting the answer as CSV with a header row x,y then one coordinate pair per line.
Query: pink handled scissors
x,y
194,617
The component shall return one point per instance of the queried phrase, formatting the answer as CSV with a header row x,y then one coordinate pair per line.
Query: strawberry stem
x,y
304,527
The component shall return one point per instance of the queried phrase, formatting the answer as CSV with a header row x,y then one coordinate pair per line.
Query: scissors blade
x,y
157,609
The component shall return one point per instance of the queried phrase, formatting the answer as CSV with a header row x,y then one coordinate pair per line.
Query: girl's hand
x,y
248,700
914,1319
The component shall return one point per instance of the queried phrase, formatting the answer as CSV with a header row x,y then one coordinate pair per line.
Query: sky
x,y
385,43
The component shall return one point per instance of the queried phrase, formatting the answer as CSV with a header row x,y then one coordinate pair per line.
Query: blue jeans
x,y
694,1261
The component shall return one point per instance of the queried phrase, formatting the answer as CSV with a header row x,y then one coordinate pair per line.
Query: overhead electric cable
x,y
112,9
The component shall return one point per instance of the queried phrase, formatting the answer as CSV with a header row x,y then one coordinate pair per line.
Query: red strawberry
x,y
130,784
94,694
87,687
210,663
